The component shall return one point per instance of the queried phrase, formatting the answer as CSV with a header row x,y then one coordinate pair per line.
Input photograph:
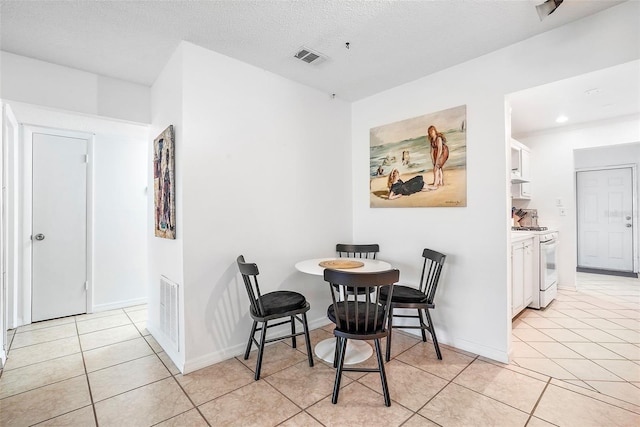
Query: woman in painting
x,y
399,188
439,154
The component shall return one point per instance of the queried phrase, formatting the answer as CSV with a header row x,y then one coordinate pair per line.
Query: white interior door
x,y
605,219
59,240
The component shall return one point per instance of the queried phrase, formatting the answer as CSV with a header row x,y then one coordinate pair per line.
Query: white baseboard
x,y
235,350
118,304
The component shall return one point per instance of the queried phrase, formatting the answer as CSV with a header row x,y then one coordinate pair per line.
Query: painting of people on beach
x,y
420,162
164,184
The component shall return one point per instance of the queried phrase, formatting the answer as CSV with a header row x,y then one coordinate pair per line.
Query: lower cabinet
x,y
522,261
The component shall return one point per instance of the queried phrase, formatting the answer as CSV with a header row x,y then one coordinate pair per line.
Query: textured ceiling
x,y
391,42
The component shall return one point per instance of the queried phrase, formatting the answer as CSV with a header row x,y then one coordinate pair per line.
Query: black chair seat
x,y
372,324
404,294
282,302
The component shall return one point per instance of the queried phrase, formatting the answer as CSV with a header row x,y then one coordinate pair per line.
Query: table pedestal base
x,y
357,351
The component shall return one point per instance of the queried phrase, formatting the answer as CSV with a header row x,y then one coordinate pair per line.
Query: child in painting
x,y
399,188
439,154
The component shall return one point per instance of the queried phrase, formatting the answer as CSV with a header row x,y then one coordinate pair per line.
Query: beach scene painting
x,y
164,184
420,162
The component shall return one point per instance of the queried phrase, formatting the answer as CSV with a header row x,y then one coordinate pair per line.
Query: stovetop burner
x,y
529,228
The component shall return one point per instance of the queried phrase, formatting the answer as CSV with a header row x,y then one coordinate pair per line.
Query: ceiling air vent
x,y
310,56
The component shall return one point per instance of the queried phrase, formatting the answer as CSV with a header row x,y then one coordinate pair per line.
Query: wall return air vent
x,y
310,56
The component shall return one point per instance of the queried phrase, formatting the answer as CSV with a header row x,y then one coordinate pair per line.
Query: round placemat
x,y
338,263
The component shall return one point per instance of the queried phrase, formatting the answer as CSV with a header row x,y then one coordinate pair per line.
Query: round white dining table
x,y
357,351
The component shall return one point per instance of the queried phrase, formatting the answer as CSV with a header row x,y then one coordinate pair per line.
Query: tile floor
x,y
577,363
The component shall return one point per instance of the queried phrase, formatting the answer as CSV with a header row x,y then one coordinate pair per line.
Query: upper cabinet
x,y
520,171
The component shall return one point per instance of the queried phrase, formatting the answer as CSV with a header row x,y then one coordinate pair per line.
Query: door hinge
x,y
86,286
86,158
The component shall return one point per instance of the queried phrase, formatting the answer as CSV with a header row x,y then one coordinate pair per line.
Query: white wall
x,y
165,255
119,259
473,307
553,171
266,168
42,83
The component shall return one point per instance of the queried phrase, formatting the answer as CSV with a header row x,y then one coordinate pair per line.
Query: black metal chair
x,y
360,320
272,306
421,299
357,251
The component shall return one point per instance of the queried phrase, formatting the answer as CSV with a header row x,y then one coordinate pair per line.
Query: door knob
x,y
39,236
627,218
628,225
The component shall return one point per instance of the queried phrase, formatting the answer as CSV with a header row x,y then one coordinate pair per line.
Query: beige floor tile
x,y
137,316
40,374
301,420
80,417
514,389
89,316
572,323
135,308
596,335
542,323
627,350
531,335
401,342
315,336
625,369
22,339
146,405
47,324
546,367
603,324
213,381
633,324
44,403
103,357
513,367
23,356
522,349
555,350
126,376
255,404
276,357
577,313
305,386
419,421
359,406
591,350
586,370
608,314
190,418
459,406
626,334
409,386
566,408
564,335
580,383
423,356
164,357
588,391
100,323
620,390
537,422
108,336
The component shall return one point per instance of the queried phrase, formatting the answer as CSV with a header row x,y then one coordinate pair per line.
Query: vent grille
x,y
310,56
169,311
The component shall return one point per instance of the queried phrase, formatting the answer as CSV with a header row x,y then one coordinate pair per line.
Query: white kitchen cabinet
x,y
522,275
520,170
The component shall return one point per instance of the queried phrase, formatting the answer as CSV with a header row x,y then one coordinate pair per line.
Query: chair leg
x,y
389,331
307,339
336,385
433,334
424,335
293,331
253,333
383,375
336,353
263,337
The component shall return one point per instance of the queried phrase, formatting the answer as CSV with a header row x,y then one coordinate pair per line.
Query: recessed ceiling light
x,y
562,119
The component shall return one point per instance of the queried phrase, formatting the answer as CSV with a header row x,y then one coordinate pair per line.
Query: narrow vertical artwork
x,y
420,162
164,184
